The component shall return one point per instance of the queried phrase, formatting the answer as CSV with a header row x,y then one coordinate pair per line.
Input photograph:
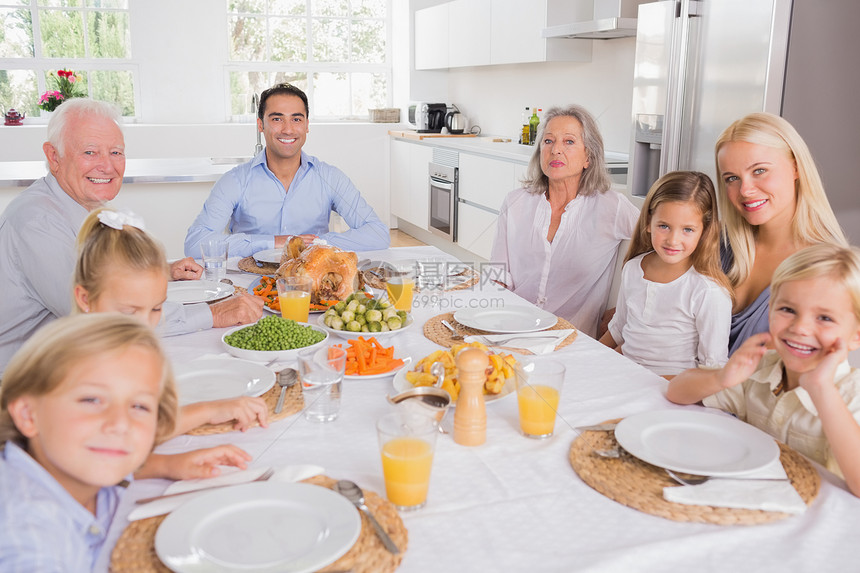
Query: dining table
x,y
515,503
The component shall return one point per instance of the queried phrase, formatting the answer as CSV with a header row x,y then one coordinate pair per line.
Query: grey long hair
x,y
595,177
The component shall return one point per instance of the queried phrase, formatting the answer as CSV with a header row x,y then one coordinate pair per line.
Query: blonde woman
x,y
772,204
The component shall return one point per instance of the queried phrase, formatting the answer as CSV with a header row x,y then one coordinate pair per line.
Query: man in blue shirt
x,y
283,191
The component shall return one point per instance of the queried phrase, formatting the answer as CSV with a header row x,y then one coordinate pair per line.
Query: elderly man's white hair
x,y
79,106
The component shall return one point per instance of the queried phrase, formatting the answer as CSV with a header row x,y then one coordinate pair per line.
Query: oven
x,y
443,201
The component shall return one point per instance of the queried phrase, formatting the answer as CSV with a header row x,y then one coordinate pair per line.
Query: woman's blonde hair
x,y
595,177
684,187
813,221
841,264
103,249
46,359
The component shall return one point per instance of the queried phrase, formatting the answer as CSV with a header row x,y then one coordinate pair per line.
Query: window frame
x,y
42,65
309,68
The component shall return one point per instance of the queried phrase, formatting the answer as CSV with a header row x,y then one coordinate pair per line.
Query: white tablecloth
x,y
515,504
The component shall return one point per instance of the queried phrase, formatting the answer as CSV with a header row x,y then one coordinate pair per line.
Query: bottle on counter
x,y
524,134
534,121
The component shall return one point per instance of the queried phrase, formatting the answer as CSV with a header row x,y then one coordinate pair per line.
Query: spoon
x,y
437,369
353,493
285,379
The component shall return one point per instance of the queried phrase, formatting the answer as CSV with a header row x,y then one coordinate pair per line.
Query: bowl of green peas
x,y
272,337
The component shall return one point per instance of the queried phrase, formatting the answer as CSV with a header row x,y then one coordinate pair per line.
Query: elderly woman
x,y
559,235
772,204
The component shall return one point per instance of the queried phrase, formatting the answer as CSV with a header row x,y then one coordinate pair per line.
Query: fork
x,y
455,335
263,477
520,337
696,480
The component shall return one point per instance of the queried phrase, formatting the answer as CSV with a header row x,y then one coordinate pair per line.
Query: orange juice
x,y
295,304
406,466
538,404
400,292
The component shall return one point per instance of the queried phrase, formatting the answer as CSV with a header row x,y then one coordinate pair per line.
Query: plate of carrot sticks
x,y
366,358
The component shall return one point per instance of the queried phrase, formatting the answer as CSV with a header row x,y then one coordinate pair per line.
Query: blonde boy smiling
x,y
802,392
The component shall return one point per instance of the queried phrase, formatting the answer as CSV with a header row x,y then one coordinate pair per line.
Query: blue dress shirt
x,y
250,202
43,527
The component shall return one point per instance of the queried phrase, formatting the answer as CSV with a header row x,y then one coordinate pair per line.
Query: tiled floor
x,y
401,239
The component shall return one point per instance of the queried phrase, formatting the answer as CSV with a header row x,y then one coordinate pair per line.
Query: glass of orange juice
x,y
538,392
294,295
407,440
401,284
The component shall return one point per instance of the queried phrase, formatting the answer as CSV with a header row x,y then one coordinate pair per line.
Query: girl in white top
x,y
674,308
557,238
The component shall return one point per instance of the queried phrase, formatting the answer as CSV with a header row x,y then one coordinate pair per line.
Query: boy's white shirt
x,y
790,417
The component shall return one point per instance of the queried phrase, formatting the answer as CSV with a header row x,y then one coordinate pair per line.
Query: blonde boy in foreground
x,y
803,392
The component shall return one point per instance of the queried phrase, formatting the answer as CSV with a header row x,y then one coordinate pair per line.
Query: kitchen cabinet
x,y
410,188
485,32
486,181
476,229
431,38
469,33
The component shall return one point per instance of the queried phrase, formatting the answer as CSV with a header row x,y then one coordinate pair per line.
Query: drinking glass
x,y
401,285
407,440
294,295
214,259
321,375
538,391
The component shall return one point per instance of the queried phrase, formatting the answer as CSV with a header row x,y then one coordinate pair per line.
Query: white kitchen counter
x,y
191,169
509,151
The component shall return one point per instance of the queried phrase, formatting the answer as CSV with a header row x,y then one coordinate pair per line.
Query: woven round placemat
x,y
134,551
436,331
637,484
293,402
249,265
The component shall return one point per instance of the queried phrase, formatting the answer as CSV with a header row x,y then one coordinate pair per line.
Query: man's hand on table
x,y
185,270
242,309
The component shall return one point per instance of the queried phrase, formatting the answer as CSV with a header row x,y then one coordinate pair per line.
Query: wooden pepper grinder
x,y
470,417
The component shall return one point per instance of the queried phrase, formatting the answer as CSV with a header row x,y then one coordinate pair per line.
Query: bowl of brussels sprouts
x,y
363,315
272,337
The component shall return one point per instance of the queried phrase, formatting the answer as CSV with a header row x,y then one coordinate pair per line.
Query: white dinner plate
x,y
510,319
270,256
190,292
378,335
258,527
696,442
401,384
220,378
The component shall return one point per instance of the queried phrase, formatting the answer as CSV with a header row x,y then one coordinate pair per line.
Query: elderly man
x,y
85,152
283,191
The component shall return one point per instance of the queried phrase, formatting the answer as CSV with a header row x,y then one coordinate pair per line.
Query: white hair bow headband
x,y
118,219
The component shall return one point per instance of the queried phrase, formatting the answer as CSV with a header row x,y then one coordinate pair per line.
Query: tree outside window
x,y
92,37
337,51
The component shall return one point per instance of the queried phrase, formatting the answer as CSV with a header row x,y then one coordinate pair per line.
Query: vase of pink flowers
x,y
66,85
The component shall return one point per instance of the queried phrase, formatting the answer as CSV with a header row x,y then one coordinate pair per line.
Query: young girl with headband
x,y
121,268
674,306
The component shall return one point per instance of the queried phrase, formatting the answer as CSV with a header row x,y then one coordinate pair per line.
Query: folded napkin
x,y
747,491
542,342
197,487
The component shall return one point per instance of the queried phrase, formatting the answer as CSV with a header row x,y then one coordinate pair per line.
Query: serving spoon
x,y
353,493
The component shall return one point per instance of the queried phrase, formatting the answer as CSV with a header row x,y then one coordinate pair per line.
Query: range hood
x,y
610,19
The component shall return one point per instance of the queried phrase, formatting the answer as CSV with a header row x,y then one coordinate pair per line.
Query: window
x,y
91,37
337,51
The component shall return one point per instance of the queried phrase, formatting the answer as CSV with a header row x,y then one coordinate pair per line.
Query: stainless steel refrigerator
x,y
701,64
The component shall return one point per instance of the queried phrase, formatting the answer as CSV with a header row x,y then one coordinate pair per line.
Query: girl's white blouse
x,y
572,275
670,327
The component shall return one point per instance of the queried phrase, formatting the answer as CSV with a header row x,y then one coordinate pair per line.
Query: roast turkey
x,y
334,271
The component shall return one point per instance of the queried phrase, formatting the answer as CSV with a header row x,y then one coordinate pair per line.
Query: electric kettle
x,y
455,122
